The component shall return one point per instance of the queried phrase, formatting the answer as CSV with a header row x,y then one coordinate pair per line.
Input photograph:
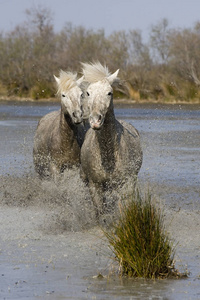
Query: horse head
x,y
71,95
99,92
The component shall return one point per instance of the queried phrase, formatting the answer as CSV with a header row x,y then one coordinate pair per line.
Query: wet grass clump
x,y
139,240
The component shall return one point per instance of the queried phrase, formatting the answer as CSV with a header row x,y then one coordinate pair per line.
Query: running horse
x,y
60,134
111,154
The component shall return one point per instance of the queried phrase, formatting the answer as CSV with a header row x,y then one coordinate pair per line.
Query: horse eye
x,y
63,95
88,94
109,94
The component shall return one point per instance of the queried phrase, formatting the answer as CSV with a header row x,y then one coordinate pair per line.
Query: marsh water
x,y
51,248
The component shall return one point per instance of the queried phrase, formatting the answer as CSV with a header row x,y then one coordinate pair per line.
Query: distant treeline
x,y
166,68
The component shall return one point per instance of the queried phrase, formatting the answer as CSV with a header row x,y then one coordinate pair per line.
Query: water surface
x,y
42,258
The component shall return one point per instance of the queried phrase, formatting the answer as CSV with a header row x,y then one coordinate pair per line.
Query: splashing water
x,y
68,204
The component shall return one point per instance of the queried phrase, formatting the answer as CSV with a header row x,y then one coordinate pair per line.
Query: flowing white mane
x,y
66,81
94,72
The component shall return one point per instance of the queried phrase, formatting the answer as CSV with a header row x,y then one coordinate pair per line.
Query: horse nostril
x,y
100,117
74,115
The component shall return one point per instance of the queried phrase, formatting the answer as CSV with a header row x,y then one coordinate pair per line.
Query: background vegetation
x,y
165,68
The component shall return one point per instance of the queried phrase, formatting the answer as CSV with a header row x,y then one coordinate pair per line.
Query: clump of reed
x,y
140,244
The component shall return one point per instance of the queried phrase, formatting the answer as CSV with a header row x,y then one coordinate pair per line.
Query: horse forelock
x,y
67,81
94,72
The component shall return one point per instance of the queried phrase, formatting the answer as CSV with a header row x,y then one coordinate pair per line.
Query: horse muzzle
x,y
77,118
96,121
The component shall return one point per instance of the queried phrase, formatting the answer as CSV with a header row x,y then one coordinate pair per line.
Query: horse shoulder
x,y
89,141
89,152
45,123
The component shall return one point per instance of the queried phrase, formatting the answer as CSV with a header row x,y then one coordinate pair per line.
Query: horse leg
x,y
97,197
104,213
54,171
83,175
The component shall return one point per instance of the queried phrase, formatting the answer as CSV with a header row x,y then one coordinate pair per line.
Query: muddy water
x,y
50,247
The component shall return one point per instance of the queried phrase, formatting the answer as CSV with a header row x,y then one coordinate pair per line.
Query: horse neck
x,y
107,141
67,128
108,129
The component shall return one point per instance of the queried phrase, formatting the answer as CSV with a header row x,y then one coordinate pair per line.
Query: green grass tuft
x,y
139,241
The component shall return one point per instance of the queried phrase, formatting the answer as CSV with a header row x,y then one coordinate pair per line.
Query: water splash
x,y
68,204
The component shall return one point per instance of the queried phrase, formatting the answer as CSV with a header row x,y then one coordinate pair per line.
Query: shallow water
x,y
43,258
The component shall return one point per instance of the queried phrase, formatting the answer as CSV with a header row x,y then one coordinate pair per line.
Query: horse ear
x,y
80,80
113,77
56,79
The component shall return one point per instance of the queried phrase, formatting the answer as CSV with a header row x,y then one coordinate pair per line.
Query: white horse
x,y
60,134
111,153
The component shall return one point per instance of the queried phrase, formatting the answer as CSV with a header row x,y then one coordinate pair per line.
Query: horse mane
x,y
67,80
95,71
